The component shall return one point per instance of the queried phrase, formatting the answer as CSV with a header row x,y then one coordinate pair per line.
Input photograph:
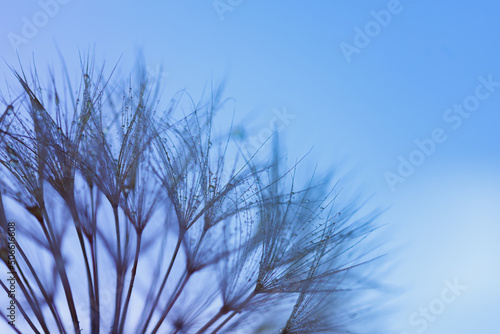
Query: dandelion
x,y
132,220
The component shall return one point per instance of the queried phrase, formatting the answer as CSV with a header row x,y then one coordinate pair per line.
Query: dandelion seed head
x,y
242,227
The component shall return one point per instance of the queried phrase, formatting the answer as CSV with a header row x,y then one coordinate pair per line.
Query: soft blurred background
x,y
358,82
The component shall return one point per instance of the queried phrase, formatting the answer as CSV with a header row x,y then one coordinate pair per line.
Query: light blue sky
x,y
367,110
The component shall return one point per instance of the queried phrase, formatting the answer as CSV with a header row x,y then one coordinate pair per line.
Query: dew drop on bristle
x,y
14,163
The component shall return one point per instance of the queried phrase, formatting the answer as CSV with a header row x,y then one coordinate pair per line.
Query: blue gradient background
x,y
444,221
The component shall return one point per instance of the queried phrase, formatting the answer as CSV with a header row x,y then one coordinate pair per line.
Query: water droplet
x,y
14,163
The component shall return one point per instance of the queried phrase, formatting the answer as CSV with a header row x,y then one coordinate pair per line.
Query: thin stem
x,y
212,321
31,298
172,302
49,236
152,288
7,320
90,284
222,324
132,279
67,290
50,301
95,306
222,312
172,260
96,315
56,252
21,309
119,272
